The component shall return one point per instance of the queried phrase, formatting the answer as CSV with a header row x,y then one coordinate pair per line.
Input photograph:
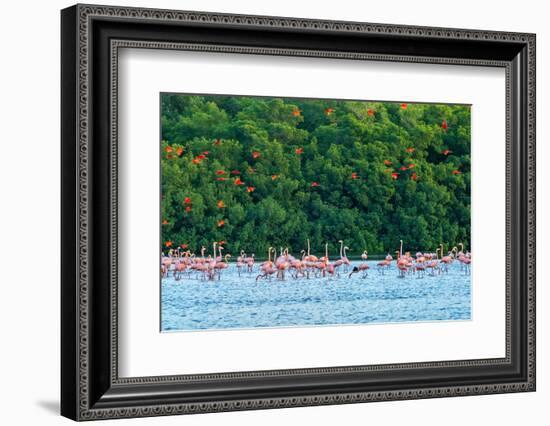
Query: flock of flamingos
x,y
181,263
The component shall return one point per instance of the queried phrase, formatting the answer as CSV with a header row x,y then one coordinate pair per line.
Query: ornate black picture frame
x,y
91,36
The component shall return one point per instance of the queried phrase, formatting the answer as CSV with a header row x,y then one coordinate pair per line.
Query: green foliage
x,y
369,173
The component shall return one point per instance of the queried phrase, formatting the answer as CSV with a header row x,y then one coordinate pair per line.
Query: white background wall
x,y
29,225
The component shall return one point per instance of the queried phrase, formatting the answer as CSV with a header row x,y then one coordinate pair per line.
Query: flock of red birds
x,y
222,175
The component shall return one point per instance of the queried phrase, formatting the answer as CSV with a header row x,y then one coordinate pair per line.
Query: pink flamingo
x,y
433,264
298,265
402,262
467,261
241,262
219,266
446,260
363,267
267,267
343,256
268,263
282,264
310,257
383,264
324,263
250,263
181,266
420,264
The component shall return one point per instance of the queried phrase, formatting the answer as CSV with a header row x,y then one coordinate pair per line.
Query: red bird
x,y
446,152
314,184
179,151
187,200
221,204
370,112
404,106
201,157
410,149
456,172
168,243
387,162
296,112
220,172
354,176
188,209
444,125
217,142
329,111
255,154
412,166
394,175
403,168
206,152
299,151
414,176
273,177
250,189
165,222
238,181
184,246
221,223
168,149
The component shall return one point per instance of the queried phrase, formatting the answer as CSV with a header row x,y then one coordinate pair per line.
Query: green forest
x,y
254,172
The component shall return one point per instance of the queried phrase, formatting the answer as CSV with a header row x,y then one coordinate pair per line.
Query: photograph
x,y
299,212
273,208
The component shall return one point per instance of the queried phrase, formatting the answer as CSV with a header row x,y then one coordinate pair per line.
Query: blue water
x,y
241,302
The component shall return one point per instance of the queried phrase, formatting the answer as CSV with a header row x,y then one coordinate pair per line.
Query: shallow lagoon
x,y
243,302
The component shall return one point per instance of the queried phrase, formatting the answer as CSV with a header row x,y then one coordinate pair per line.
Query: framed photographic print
x,y
263,212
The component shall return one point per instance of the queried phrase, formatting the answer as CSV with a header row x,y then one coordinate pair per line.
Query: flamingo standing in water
x,y
181,266
343,256
268,262
211,263
222,265
402,262
460,255
267,267
446,260
310,258
321,264
241,262
282,264
384,264
363,267
298,265
433,264
250,263
467,260
365,255
419,265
